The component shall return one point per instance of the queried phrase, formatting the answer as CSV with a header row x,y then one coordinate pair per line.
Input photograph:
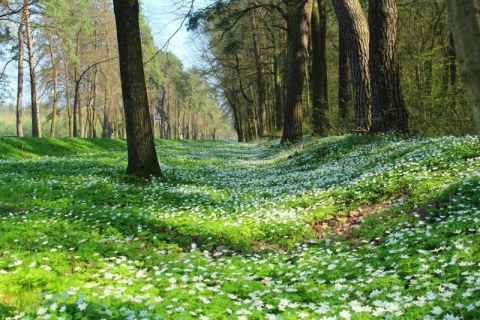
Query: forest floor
x,y
352,227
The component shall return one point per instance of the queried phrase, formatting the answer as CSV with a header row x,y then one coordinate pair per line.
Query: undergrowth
x,y
353,227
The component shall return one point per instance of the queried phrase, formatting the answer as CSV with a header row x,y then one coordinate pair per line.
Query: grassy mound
x,y
26,148
354,227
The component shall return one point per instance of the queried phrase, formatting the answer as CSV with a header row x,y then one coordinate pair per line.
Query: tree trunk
x,y
465,23
142,157
107,117
67,96
279,93
353,24
344,81
319,69
261,91
107,120
299,16
20,77
76,107
55,87
36,128
388,107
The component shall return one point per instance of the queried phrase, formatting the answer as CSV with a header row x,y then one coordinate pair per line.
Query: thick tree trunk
x,y
36,127
20,78
319,69
142,157
465,23
388,107
299,16
353,24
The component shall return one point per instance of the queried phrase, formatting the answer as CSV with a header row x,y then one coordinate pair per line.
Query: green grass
x,y
242,231
27,148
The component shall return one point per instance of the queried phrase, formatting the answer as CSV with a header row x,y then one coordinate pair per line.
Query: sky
x,y
165,18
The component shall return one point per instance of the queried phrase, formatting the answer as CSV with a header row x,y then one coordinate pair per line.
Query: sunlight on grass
x,y
242,231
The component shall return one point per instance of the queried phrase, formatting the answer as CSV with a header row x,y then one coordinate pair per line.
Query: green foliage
x,y
233,232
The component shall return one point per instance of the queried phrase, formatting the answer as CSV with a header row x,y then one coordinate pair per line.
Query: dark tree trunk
x,y
388,107
299,16
319,69
345,96
353,24
465,22
107,120
142,157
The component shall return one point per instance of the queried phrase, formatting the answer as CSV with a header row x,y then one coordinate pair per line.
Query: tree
x,y
299,16
353,24
465,23
142,157
319,69
389,112
19,111
36,128
261,90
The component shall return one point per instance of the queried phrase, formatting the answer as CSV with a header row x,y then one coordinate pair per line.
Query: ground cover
x,y
244,231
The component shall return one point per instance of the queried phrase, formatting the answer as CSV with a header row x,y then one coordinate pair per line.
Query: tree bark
x,y
465,23
55,86
388,107
36,128
353,24
68,96
319,69
345,96
142,157
299,16
107,118
260,81
20,77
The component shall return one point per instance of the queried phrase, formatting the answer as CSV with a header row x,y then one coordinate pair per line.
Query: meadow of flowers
x,y
352,227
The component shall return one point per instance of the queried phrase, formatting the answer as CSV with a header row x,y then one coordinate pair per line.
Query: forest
x,y
321,160
238,87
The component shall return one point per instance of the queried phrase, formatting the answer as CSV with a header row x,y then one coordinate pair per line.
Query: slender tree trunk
x,y
319,69
279,93
93,121
388,107
36,127
55,87
68,97
20,77
299,16
353,24
345,96
465,23
261,90
76,122
107,118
